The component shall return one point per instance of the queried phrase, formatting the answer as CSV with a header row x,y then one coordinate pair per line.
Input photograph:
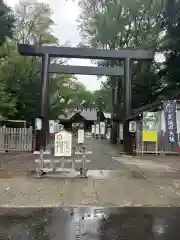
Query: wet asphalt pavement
x,y
87,223
90,223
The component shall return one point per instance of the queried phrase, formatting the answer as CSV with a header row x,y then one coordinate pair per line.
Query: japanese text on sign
x,y
171,125
171,128
63,144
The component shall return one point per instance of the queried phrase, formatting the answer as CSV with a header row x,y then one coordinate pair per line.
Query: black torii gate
x,y
46,52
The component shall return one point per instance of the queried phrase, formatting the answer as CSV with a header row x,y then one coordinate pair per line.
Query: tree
x,y
21,75
171,71
103,98
121,24
126,23
6,22
7,103
71,91
34,23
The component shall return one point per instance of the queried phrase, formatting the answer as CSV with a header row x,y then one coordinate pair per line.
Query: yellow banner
x,y
150,136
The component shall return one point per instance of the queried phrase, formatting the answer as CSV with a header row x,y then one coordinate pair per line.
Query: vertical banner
x,y
80,136
170,109
93,129
97,129
102,128
51,126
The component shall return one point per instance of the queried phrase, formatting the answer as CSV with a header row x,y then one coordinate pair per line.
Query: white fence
x,y
16,139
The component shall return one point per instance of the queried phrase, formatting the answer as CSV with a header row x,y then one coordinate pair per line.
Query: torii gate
x,y
46,52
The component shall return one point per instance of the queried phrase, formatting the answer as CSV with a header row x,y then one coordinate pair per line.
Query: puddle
x,y
90,223
138,175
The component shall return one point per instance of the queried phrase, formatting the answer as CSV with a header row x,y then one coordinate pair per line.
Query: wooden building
x,y
85,117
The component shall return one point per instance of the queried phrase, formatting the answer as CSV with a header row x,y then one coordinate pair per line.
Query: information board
x,y
93,129
102,128
51,126
97,129
80,136
63,144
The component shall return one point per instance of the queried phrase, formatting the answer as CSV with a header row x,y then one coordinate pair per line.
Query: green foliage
x,y
103,98
34,23
171,70
7,102
20,76
127,23
6,21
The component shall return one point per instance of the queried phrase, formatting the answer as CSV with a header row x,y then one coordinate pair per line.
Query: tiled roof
x,y
89,115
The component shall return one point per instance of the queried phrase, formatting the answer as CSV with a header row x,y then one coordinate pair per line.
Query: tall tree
x,y
127,23
6,22
7,103
103,98
121,24
34,23
171,47
21,75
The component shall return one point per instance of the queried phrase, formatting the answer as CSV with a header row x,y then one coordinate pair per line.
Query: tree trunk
x,y
114,132
113,135
127,139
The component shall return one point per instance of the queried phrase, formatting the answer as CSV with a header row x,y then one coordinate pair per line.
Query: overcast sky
x,y
65,14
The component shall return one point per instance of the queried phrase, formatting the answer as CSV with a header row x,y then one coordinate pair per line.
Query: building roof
x,y
88,114
67,117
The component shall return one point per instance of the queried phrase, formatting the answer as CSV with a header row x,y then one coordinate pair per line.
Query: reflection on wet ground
x,y
90,223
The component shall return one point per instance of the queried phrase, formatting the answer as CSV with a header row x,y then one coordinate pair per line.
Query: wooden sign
x,y
97,129
63,144
51,126
93,129
80,136
102,128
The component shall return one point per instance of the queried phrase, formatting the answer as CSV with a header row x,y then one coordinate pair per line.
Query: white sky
x,y
65,15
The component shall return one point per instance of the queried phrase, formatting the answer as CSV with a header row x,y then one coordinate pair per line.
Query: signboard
x,y
38,123
151,125
150,137
102,128
132,126
121,131
63,144
51,126
170,121
93,129
80,136
97,129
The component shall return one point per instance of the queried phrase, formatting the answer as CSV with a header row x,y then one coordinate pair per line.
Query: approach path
x,y
113,180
